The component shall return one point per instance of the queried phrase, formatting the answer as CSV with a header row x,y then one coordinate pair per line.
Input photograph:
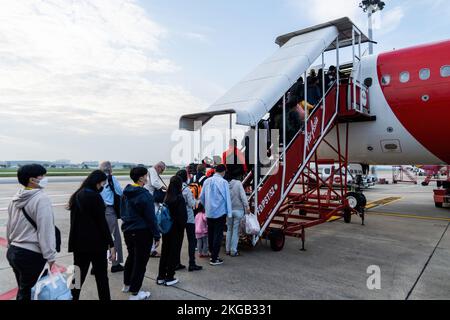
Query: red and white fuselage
x,y
410,98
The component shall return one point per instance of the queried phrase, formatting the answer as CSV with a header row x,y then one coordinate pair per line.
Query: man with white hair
x,y
156,186
111,196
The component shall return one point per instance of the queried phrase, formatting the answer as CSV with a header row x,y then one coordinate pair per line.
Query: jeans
x,y
215,235
100,264
233,231
137,242
27,266
170,253
113,224
202,245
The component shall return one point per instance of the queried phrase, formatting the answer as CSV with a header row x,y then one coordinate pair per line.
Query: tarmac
x,y
405,237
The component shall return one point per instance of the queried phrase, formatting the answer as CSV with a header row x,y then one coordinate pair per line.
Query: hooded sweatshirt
x,y
21,233
138,211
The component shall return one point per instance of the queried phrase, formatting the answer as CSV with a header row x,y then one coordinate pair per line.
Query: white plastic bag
x,y
252,226
51,287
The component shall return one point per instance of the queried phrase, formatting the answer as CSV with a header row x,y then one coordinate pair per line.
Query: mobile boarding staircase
x,y
401,174
291,196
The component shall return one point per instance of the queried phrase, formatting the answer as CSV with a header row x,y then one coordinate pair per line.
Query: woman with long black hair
x,y
171,241
89,237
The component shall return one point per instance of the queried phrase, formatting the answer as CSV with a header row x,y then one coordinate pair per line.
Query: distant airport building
x,y
123,165
90,165
21,163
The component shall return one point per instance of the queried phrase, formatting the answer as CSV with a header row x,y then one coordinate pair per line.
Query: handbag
x,y
116,197
51,287
57,231
159,195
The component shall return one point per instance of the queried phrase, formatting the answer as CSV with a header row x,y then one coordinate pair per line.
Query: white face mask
x,y
43,183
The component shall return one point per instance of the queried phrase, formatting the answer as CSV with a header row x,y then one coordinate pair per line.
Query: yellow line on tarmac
x,y
333,219
409,216
382,202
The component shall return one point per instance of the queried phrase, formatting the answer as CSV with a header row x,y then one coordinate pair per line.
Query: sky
x,y
108,79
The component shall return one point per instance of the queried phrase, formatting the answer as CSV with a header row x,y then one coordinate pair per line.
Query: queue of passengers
x,y
95,210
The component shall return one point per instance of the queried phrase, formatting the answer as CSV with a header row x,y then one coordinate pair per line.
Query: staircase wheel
x,y
353,199
425,184
347,215
277,239
303,212
439,204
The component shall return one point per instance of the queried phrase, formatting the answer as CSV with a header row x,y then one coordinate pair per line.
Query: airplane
x,y
410,95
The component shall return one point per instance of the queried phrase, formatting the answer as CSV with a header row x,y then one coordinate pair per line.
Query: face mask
x,y
43,183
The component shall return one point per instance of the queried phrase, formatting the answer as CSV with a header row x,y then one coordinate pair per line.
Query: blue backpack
x,y
164,219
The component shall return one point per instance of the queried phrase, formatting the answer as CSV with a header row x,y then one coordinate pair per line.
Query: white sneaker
x,y
126,289
171,282
142,295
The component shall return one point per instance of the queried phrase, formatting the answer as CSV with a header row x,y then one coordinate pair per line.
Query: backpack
x,y
164,220
196,187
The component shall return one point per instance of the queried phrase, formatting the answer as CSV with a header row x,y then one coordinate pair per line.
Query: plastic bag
x,y
51,287
252,226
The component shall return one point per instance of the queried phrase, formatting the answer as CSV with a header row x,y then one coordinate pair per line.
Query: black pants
x,y
170,252
27,266
215,235
192,242
100,266
138,243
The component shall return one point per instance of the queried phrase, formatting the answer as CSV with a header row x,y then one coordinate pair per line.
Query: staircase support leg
x,y
303,239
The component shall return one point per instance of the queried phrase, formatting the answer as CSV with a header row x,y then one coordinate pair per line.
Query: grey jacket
x,y
238,197
190,203
19,231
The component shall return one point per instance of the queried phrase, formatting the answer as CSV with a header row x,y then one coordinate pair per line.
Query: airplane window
x,y
445,71
327,171
404,77
386,80
424,74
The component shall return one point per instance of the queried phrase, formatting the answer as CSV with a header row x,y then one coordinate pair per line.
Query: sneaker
x,y
216,262
180,267
155,254
118,268
126,289
160,281
236,254
195,268
171,282
142,295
